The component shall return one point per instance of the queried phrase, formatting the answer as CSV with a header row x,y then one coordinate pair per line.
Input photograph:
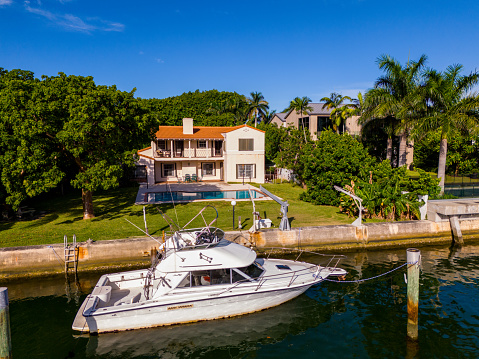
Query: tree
x,y
339,112
48,124
332,160
268,116
450,108
29,157
257,106
396,99
300,105
274,137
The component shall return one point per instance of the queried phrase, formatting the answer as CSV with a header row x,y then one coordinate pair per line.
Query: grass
x,y
64,216
448,180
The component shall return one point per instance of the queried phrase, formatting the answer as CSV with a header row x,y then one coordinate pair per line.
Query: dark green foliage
x,y
389,193
274,136
291,149
63,124
462,153
332,160
198,105
343,161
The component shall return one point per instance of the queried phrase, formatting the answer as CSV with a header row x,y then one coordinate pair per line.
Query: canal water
x,y
331,320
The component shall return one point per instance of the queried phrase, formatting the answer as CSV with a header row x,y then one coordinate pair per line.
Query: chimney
x,y
187,126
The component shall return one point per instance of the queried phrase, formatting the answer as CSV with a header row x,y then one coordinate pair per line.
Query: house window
x,y
162,145
304,121
245,171
208,169
140,172
246,144
169,170
202,144
323,123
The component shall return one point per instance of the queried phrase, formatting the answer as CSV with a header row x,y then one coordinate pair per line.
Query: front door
x,y
178,148
218,147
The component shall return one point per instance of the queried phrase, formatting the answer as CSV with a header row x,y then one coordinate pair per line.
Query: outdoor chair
x,y
194,178
187,178
23,212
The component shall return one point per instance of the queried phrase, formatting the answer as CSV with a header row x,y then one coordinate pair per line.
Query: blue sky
x,y
283,49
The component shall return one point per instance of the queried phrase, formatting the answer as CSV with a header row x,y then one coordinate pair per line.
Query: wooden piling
x,y
5,334
413,259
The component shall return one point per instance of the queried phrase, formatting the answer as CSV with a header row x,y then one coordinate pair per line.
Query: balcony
x,y
190,153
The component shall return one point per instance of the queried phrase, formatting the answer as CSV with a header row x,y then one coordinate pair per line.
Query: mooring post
x,y
413,259
5,336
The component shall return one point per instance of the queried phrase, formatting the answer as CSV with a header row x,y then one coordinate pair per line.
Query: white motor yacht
x,y
199,276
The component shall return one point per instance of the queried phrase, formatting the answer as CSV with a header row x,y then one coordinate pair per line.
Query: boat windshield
x,y
221,276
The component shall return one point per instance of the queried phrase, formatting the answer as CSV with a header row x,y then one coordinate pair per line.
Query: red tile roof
x,y
199,132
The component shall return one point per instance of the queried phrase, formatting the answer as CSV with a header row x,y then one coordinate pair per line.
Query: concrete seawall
x,y
47,259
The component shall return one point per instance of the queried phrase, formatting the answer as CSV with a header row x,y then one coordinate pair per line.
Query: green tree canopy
x,y
59,120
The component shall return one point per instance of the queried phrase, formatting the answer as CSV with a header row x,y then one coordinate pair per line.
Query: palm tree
x,y
268,116
339,111
396,96
450,108
300,105
257,106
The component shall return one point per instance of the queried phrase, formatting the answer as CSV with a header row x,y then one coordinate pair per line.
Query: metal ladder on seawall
x,y
70,253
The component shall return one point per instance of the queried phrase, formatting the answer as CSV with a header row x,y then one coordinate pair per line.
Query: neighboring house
x,y
316,120
230,154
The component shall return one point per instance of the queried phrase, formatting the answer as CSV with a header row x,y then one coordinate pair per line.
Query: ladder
x,y
70,253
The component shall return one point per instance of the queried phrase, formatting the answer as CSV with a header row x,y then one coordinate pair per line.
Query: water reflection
x,y
241,335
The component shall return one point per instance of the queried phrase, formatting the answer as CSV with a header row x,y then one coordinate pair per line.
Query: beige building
x,y
181,153
316,120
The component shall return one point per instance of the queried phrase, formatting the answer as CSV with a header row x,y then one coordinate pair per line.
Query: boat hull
x,y
222,306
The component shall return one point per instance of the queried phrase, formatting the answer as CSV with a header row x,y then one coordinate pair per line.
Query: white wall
x,y
233,156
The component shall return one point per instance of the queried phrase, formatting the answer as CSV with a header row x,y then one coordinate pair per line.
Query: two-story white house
x,y
229,154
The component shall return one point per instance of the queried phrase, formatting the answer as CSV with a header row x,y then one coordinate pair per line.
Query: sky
x,y
283,49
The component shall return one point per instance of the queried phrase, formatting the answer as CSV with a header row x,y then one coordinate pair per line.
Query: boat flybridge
x,y
198,275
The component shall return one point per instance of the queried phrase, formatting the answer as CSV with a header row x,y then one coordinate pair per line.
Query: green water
x,y
331,320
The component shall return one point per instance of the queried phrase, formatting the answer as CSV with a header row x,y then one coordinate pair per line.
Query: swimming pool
x,y
179,196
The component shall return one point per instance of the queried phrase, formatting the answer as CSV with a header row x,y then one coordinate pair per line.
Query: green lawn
x,y
64,216
448,179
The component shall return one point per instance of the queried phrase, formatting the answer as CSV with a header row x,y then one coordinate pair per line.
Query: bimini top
x,y
223,254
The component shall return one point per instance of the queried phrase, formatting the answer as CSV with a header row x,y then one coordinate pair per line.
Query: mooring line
x,y
366,279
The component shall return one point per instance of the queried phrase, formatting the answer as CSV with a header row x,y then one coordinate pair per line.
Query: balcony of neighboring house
x,y
188,149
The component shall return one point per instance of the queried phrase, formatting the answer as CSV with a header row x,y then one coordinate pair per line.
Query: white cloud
x,y
160,61
74,23
5,2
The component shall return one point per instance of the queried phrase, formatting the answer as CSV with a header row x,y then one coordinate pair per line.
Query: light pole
x,y
233,203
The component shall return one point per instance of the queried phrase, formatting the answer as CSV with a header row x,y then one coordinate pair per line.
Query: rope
x,y
364,280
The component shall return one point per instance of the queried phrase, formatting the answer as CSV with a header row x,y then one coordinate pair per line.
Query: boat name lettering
x,y
180,306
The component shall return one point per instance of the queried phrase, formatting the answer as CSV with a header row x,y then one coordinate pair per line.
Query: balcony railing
x,y
190,153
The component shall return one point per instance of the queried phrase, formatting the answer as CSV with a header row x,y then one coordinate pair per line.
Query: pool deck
x,y
189,187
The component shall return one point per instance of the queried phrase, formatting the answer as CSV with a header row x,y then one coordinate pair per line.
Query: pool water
x,y
207,195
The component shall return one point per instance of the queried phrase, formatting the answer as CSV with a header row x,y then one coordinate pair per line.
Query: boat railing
x,y
316,268
333,261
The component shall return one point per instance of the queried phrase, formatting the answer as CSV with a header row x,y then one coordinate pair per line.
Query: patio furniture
x,y
180,179
23,212
187,178
194,178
